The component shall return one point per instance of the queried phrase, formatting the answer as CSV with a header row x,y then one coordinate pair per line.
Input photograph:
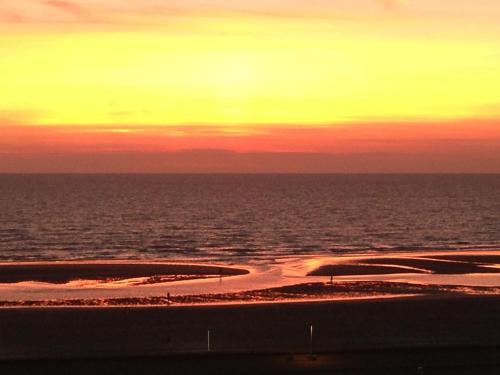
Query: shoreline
x,y
189,283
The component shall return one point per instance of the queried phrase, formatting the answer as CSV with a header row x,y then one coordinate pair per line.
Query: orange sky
x,y
410,80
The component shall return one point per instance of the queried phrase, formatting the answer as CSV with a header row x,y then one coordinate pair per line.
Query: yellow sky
x,y
73,64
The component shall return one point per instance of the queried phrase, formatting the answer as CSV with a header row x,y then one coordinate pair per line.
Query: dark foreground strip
x,y
444,361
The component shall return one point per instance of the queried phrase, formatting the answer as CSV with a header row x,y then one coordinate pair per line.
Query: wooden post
x,y
208,340
311,339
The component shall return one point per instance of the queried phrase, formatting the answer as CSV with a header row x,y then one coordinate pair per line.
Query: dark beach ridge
x,y
64,272
449,264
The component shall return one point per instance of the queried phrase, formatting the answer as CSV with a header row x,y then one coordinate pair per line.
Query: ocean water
x,y
243,218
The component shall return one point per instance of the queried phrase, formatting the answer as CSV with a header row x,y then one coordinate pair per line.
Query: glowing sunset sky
x,y
108,79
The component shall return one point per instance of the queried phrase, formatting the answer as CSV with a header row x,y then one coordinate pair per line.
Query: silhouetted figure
x,y
168,299
331,278
168,343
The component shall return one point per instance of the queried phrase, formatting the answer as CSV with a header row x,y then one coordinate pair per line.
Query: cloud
x,y
46,11
66,6
491,109
10,17
72,9
17,117
224,161
392,4
130,12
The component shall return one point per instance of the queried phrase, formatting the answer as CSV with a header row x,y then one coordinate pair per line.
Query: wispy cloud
x,y
219,160
491,109
127,11
10,17
392,4
45,11
67,6
17,117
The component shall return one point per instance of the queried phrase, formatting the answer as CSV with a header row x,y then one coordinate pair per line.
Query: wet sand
x,y
142,283
344,290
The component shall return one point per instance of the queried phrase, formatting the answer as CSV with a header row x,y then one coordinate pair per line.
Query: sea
x,y
243,218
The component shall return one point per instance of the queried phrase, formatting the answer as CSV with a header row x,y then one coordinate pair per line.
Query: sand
x,y
442,361
436,322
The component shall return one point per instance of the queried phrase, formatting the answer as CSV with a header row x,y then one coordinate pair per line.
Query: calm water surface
x,y
243,218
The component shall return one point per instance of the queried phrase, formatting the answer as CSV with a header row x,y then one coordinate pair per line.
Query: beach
x,y
227,317
376,311
444,361
280,327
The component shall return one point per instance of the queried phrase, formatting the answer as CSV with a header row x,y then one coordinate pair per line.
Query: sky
x,y
250,86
